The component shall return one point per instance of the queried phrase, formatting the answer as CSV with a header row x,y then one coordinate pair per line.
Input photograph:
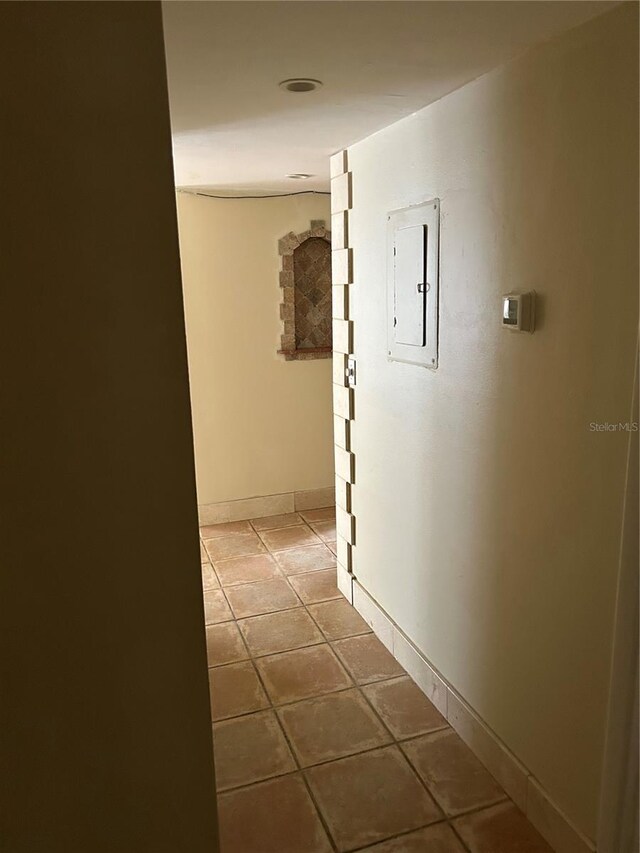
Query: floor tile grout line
x,y
264,544
279,654
278,576
459,838
316,805
225,587
319,811
251,521
291,651
273,555
294,649
478,809
233,788
434,796
276,709
295,758
407,832
291,527
322,631
352,686
282,576
358,686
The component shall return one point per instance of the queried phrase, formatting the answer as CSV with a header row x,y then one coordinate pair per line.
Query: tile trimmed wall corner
x,y
343,396
341,189
346,524
514,777
345,583
344,555
338,164
260,507
340,230
343,493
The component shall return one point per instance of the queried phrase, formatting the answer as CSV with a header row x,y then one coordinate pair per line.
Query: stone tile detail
x,y
305,279
305,355
287,311
312,293
288,243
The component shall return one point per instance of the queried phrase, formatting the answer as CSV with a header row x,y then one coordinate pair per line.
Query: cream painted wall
x,y
262,425
488,514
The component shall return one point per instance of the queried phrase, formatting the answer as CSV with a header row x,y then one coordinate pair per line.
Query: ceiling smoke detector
x,y
298,176
297,85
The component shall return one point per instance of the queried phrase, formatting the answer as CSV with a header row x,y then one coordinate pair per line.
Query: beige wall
x,y
262,425
488,514
105,733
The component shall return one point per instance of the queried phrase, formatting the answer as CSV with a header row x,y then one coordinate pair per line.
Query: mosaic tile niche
x,y
305,279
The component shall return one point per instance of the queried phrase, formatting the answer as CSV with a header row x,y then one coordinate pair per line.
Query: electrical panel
x,y
412,284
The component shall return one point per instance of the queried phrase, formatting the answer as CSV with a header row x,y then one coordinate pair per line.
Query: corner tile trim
x,y
345,583
515,778
343,395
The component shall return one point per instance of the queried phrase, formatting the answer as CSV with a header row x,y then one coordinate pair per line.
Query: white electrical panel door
x,y
412,284
409,285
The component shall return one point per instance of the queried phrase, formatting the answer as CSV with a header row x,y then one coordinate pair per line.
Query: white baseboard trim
x,y
260,507
517,781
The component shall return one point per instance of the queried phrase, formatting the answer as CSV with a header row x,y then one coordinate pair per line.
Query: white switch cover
x,y
412,284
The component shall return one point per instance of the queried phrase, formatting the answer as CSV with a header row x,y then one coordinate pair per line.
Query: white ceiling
x,y
236,132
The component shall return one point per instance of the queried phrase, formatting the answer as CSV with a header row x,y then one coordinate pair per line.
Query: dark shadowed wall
x,y
106,737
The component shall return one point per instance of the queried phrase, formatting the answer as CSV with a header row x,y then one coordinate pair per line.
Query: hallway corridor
x,y
322,742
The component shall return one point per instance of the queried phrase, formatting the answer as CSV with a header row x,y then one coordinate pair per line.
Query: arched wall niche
x,y
305,279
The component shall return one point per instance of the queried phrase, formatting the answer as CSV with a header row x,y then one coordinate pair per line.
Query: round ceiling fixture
x,y
298,85
298,176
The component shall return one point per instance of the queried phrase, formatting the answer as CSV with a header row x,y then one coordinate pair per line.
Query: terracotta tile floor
x,y
322,742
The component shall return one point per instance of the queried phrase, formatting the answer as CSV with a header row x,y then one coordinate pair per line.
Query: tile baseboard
x,y
260,507
345,583
314,498
515,778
